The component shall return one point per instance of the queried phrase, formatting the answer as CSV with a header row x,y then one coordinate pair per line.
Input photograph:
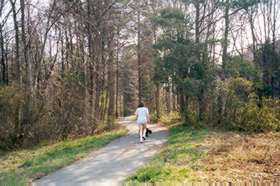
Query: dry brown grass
x,y
238,157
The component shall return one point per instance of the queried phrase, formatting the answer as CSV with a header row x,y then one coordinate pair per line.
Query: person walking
x,y
142,118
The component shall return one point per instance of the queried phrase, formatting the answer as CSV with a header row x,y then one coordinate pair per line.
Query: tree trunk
x,y
226,32
224,59
174,103
25,50
252,28
3,64
17,57
117,77
168,98
197,22
139,57
111,83
158,100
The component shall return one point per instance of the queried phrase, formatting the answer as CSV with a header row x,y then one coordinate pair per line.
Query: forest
x,y
207,70
70,68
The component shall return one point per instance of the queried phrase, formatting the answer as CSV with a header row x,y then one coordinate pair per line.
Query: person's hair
x,y
141,105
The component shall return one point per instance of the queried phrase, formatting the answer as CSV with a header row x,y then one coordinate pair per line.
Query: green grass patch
x,y
18,167
176,160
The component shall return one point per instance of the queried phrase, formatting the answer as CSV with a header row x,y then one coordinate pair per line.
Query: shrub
x,y
230,95
10,103
240,88
170,118
241,109
68,111
153,117
252,118
16,127
57,112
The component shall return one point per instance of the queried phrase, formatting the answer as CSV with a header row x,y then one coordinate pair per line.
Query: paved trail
x,y
113,163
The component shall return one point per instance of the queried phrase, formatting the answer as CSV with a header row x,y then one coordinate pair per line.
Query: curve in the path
x,y
113,163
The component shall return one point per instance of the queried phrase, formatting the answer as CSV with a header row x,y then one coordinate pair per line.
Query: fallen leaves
x,y
240,157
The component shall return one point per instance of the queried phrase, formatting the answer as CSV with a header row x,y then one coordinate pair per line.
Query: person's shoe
x,y
144,138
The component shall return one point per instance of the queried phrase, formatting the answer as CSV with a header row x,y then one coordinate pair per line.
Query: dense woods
x,y
70,68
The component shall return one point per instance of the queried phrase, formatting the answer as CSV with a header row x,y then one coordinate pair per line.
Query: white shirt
x,y
142,114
